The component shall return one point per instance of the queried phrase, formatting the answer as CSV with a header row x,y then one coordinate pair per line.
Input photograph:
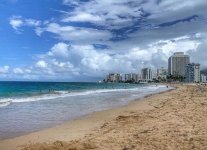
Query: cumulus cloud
x,y
199,55
59,50
18,71
132,33
86,60
41,64
4,69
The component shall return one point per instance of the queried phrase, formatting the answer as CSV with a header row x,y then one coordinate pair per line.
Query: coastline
x,y
174,119
76,128
29,113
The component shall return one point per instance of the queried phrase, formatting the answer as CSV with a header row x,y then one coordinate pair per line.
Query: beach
x,y
24,108
169,120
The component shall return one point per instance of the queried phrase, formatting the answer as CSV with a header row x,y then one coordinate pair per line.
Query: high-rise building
x,y
203,75
203,78
114,77
131,77
147,74
139,77
162,73
192,72
204,71
177,63
134,77
127,77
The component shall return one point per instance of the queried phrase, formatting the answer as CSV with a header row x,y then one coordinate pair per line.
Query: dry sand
x,y
172,120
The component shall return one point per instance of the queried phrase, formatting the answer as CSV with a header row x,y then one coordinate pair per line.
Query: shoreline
x,y
76,126
14,135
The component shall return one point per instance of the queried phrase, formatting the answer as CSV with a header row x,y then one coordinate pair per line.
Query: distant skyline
x,y
83,40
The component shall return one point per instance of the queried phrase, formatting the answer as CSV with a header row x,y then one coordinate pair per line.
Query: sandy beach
x,y
175,119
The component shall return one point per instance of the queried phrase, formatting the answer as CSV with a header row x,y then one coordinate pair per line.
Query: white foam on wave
x,y
5,102
62,94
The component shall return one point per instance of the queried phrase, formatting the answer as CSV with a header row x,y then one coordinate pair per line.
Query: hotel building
x,y
147,74
177,63
114,77
131,77
192,72
204,75
203,78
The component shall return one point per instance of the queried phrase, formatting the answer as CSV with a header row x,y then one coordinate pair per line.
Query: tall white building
x,y
147,74
204,71
203,78
192,72
134,77
131,77
204,75
114,77
127,77
177,63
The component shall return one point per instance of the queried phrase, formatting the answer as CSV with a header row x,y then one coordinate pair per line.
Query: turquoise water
x,y
31,106
15,90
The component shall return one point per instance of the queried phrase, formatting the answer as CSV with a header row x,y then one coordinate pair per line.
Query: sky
x,y
83,40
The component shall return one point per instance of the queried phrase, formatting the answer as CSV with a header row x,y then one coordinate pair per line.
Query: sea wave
x,y
61,94
5,102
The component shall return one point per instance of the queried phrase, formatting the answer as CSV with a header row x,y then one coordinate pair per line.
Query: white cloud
x,y
18,71
4,69
82,60
28,71
72,60
76,34
115,14
41,64
111,13
83,17
144,40
32,22
16,22
168,10
39,31
59,50
199,55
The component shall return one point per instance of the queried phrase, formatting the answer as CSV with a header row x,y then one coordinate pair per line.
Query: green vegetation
x,y
172,78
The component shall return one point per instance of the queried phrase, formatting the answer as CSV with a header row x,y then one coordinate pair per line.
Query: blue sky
x,y
83,40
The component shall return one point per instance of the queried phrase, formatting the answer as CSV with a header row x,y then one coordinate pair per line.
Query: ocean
x,y
26,107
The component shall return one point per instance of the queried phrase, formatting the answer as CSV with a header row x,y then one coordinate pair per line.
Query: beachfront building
x,y
131,77
134,77
127,77
114,77
192,72
146,74
203,78
139,77
204,72
203,75
177,63
162,73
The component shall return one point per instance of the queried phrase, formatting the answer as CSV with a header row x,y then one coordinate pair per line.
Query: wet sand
x,y
170,120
